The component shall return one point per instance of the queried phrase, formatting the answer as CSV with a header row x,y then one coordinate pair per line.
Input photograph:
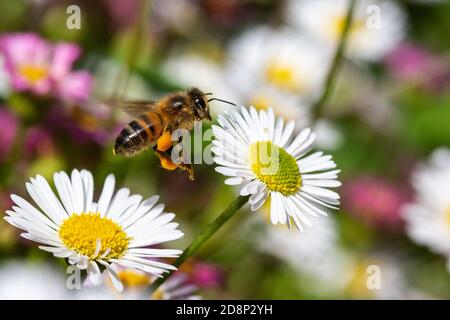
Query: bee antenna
x,y
208,94
224,101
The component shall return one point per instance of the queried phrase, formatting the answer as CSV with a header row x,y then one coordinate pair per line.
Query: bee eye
x,y
199,102
177,104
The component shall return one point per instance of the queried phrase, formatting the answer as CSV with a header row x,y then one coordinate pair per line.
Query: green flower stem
x,y
335,65
203,237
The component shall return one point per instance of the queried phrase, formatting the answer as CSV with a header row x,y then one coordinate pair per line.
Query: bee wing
x,y
134,108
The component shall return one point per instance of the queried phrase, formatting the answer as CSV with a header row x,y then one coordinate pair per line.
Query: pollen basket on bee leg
x,y
165,141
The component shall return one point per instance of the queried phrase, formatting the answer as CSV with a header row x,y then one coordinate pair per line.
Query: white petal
x,y
94,274
119,203
78,192
319,191
278,131
98,247
294,210
113,276
309,197
258,199
275,207
234,181
251,187
83,263
64,188
134,214
308,207
323,175
88,188
322,183
32,211
305,147
156,238
231,172
106,195
287,133
299,140
39,198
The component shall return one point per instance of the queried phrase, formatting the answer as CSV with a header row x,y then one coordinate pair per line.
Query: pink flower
x,y
9,125
76,86
36,65
27,60
375,201
206,275
123,12
408,61
414,64
38,142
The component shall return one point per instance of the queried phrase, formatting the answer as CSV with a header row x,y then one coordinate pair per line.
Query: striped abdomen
x,y
139,134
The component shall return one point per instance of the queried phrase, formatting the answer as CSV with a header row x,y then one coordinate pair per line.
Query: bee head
x,y
201,108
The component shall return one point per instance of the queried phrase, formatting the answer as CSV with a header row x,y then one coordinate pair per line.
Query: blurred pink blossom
x,y
84,126
123,12
206,275
38,142
9,125
75,86
375,201
43,68
414,64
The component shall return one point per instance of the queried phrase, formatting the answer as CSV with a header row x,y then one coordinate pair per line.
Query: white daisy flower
x,y
314,253
118,229
193,70
377,275
262,153
289,107
378,26
428,218
277,68
318,257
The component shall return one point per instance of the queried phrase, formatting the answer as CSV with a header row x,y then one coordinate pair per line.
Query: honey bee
x,y
156,120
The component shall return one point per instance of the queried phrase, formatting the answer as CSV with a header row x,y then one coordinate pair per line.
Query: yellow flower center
x,y
80,233
275,167
338,24
447,216
158,295
282,76
357,287
33,73
131,278
261,102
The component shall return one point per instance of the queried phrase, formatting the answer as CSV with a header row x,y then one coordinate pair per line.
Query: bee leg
x,y
164,142
168,164
189,168
165,160
162,148
185,166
